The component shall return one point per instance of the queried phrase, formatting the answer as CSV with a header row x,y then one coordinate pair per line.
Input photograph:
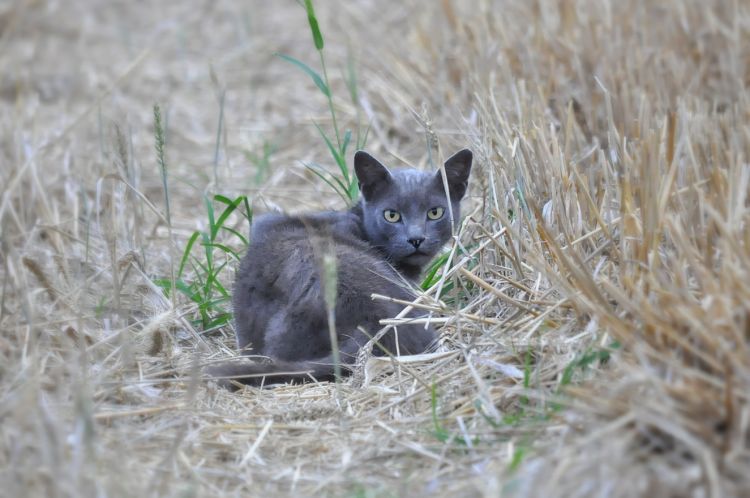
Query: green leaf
x,y
315,76
164,283
351,79
248,210
353,190
336,156
361,145
317,36
430,279
180,285
339,189
218,321
223,199
237,234
186,289
224,215
226,249
210,211
517,458
567,375
347,139
216,302
186,252
207,245
213,283
197,265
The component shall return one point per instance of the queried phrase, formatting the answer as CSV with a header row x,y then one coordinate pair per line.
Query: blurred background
x,y
596,312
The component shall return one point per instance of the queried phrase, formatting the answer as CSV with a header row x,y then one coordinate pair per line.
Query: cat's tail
x,y
244,371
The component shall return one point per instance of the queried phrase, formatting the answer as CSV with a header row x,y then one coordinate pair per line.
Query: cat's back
x,y
279,286
286,252
274,228
280,236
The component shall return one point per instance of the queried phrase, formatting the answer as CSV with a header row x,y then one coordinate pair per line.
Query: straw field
x,y
594,309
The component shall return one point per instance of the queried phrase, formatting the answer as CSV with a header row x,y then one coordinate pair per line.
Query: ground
x,y
595,307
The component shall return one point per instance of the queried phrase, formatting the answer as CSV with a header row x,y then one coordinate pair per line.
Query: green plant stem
x,y
330,99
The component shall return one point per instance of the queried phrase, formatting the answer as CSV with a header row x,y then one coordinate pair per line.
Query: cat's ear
x,y
457,169
372,175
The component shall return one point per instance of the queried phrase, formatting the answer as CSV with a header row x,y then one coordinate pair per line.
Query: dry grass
x,y
597,317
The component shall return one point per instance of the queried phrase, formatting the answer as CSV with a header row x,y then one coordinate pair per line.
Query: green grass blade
x,y
351,79
353,190
221,300
213,283
248,213
433,269
197,265
242,199
339,189
518,456
340,162
224,215
317,36
315,76
206,243
237,234
186,253
187,290
225,295
210,212
223,199
180,285
218,322
345,144
226,249
361,145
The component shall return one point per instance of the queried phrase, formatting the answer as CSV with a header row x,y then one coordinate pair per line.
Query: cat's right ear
x,y
457,169
372,175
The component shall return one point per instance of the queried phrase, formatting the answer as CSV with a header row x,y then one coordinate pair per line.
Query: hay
x,y
596,315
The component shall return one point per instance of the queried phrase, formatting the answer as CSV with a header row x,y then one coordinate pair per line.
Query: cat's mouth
x,y
417,254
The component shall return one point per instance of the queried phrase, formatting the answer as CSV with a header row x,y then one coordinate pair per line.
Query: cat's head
x,y
406,212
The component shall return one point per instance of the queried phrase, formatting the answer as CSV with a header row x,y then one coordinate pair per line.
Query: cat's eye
x,y
435,213
391,216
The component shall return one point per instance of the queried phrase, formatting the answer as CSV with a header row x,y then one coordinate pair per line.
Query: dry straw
x,y
595,312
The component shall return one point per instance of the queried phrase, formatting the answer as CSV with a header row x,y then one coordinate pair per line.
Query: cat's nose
x,y
416,242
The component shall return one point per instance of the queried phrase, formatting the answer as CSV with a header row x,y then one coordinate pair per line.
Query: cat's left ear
x,y
457,169
372,175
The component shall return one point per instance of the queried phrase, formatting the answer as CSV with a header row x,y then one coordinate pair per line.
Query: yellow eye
x,y
391,216
435,213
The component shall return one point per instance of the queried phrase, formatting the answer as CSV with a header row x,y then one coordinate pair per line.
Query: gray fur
x,y
279,305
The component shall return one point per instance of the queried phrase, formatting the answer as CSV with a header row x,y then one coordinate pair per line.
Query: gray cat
x,y
381,246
